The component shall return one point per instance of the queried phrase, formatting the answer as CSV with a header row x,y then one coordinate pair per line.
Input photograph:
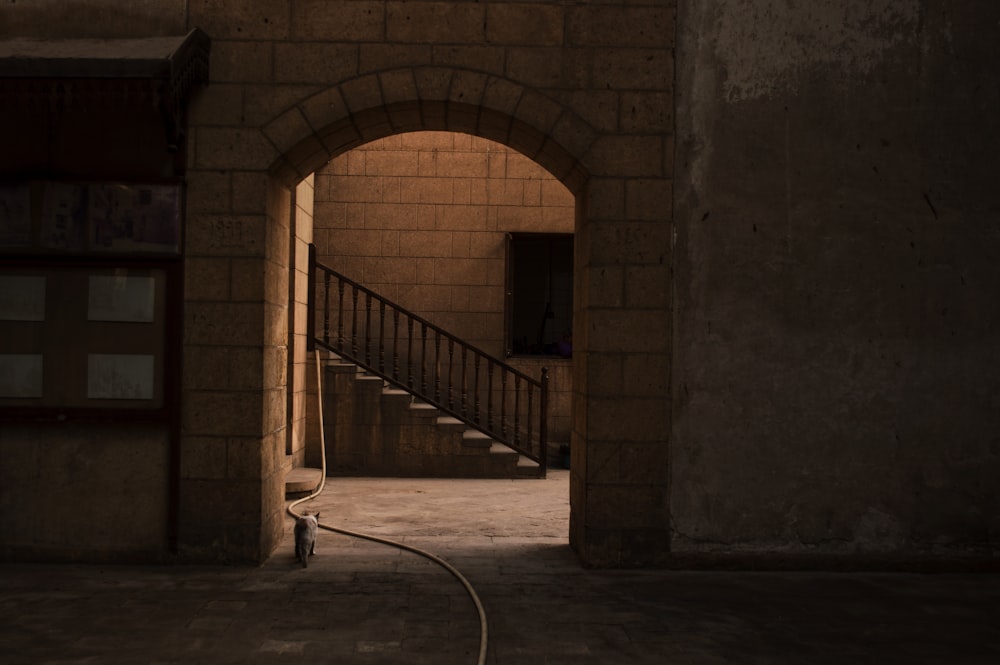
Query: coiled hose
x,y
483,625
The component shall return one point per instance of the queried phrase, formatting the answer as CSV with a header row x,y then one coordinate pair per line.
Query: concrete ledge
x,y
302,480
842,563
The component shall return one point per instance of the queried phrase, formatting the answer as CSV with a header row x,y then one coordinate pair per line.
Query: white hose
x,y
483,626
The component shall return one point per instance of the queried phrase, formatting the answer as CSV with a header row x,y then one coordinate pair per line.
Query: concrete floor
x,y
363,602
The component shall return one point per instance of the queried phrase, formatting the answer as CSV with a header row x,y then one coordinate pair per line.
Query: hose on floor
x,y
483,625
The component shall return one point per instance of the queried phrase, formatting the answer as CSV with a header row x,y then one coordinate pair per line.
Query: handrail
x,y
430,363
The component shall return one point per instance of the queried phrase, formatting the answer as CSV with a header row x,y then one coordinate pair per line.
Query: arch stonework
x,y
370,107
618,505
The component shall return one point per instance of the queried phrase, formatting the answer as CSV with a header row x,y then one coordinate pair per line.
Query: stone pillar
x,y
231,363
621,414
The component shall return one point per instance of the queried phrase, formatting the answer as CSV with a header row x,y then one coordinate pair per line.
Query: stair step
x,y
417,405
528,468
500,449
476,439
302,479
341,367
479,454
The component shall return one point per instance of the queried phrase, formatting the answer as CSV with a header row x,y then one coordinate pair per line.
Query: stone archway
x,y
585,90
621,399
339,119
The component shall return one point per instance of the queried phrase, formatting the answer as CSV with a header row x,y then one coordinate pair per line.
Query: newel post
x,y
543,431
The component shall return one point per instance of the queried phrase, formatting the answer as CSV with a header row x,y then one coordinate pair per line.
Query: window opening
x,y
539,294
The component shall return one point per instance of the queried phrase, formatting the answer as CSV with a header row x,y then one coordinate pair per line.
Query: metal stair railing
x,y
427,361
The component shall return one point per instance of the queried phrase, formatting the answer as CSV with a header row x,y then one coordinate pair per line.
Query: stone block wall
x,y
301,365
583,90
421,217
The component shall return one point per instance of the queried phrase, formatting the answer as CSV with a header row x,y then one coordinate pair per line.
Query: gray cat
x,y
305,538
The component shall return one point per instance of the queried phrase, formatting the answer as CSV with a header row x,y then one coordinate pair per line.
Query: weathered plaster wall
x,y
837,337
72,492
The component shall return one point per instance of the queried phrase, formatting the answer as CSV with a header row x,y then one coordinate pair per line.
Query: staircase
x,y
374,428
404,397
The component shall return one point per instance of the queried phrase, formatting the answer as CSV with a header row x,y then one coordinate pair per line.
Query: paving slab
x,y
368,603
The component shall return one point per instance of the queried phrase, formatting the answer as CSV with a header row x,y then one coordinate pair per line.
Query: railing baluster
x,y
489,394
340,316
395,344
368,328
517,408
543,419
381,336
476,391
409,352
530,390
354,324
437,366
451,373
465,387
423,358
503,402
326,308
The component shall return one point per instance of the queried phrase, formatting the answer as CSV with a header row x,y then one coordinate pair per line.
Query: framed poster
x,y
15,215
21,375
90,299
103,331
22,297
64,217
120,376
121,297
134,218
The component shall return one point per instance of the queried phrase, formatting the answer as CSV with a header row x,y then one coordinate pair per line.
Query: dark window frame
x,y
544,343
78,263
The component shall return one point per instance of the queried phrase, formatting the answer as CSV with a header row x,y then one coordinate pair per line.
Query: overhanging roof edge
x,y
179,60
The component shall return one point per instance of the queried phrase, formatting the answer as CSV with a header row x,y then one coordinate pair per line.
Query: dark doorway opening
x,y
539,294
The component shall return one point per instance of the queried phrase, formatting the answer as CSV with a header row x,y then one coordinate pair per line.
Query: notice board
x,y
82,337
89,295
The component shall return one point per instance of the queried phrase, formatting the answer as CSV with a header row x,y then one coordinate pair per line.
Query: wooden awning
x,y
79,73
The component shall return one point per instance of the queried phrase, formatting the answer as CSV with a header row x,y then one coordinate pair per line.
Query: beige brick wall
x,y
301,373
421,219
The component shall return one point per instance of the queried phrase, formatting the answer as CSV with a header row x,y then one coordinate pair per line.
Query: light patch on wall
x,y
22,298
20,375
119,376
765,45
121,297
